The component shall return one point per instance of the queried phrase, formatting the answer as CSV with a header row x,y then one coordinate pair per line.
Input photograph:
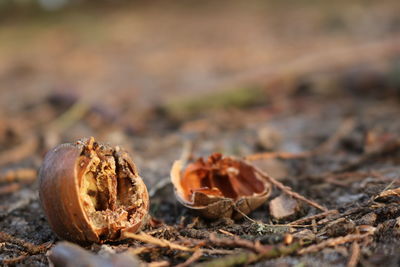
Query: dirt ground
x,y
320,83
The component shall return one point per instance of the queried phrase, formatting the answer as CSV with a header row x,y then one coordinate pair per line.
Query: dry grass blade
x,y
287,190
333,242
145,238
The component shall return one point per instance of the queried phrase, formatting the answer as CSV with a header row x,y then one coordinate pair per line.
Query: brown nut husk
x,y
91,192
219,187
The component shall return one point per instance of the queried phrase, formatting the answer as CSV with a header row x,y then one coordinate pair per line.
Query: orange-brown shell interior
x,y
220,177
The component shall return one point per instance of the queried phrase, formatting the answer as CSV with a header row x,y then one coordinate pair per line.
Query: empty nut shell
x,y
219,187
91,192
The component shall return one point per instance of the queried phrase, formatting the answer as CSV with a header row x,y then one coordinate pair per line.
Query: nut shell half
x,y
219,187
91,192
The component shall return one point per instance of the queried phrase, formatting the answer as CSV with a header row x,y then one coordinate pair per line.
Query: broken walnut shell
x,y
219,187
91,192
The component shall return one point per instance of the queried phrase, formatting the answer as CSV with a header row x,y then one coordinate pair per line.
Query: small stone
x,y
283,207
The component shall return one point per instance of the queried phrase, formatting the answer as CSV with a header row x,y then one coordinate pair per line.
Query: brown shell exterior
x,y
213,207
60,200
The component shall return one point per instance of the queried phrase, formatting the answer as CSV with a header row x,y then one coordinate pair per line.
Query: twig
x,y
192,259
314,217
225,232
333,242
217,251
238,242
250,257
29,247
145,238
355,255
287,190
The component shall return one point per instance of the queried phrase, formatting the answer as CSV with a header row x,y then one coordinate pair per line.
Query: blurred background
x,y
145,69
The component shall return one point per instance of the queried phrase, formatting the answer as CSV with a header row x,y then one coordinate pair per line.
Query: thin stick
x,y
238,242
287,189
145,238
333,242
314,217
226,232
355,255
192,259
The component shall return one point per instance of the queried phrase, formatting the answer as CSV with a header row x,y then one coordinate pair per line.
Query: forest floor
x,y
320,116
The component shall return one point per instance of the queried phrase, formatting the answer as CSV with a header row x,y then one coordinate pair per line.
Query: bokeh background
x,y
126,70
137,53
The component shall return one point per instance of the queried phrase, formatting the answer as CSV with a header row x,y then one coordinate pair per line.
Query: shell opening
x,y
218,176
108,189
